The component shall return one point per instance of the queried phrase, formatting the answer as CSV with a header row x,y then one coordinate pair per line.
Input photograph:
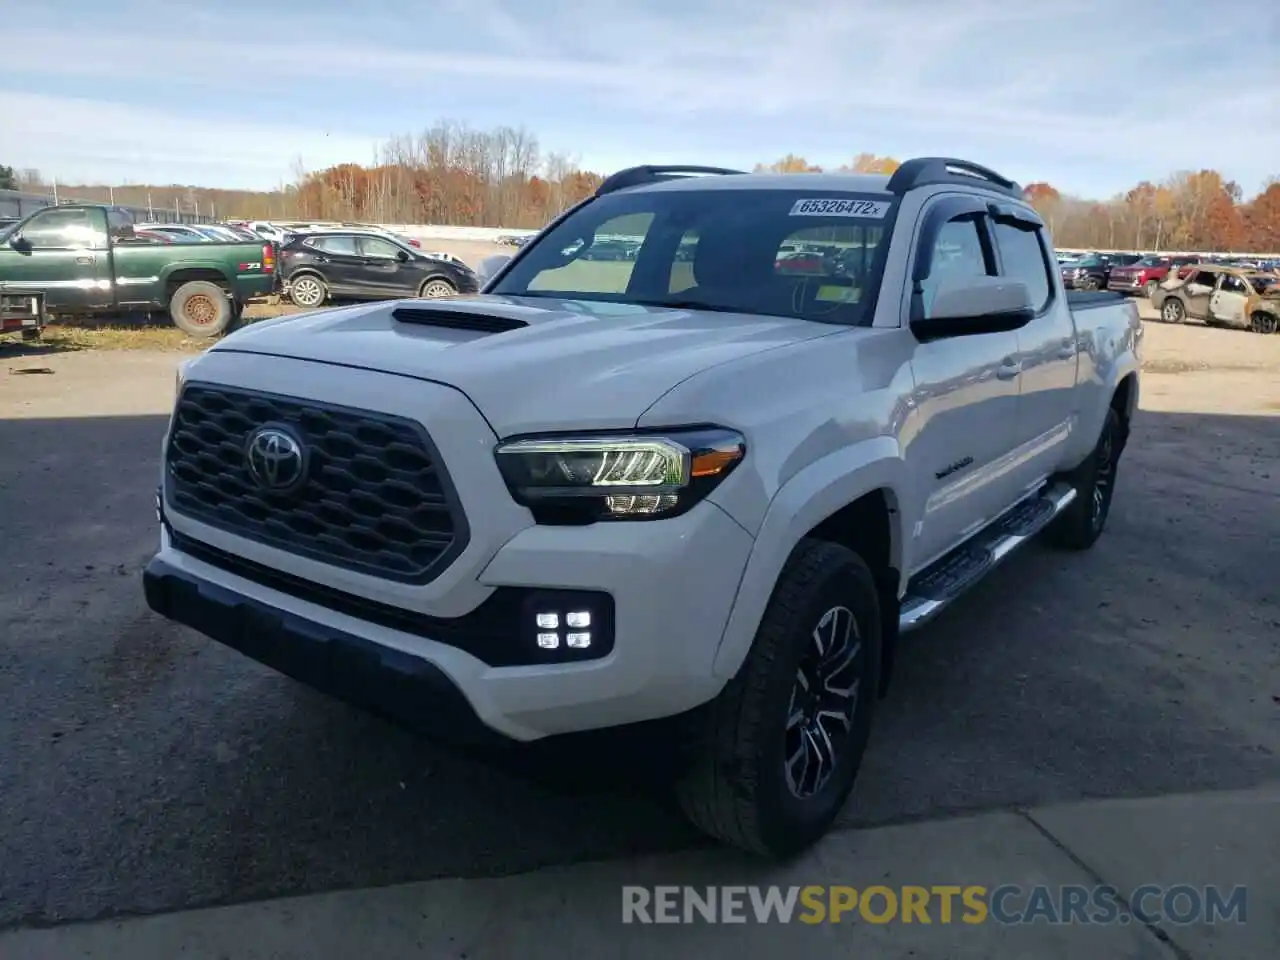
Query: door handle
x,y
1067,349
1008,369
85,261
322,259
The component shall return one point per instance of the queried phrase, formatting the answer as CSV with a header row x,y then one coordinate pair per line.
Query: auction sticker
x,y
871,209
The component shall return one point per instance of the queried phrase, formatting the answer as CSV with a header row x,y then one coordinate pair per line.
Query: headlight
x,y
641,476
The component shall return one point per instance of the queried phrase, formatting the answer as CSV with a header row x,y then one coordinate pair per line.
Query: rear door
x,y
340,263
1047,348
1227,304
63,253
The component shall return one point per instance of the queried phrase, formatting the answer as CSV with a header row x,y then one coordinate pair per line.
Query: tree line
x,y
456,175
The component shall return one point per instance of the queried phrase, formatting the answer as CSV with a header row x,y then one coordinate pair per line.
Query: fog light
x,y
578,618
550,621
579,641
549,641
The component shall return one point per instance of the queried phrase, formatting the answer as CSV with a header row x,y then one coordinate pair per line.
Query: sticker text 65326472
x,y
836,207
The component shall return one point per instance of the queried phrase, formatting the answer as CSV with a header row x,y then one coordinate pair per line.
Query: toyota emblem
x,y
276,459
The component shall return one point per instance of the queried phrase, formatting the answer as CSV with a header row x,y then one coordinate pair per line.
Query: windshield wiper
x,y
688,304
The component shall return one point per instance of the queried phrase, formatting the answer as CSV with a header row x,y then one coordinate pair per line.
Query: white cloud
x,y
1049,89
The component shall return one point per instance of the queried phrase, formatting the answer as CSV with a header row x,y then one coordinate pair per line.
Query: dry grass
x,y
143,335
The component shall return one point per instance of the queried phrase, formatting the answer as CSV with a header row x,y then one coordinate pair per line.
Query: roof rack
x,y
927,171
635,176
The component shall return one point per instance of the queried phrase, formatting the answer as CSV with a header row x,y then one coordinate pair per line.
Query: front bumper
x,y
376,677
672,583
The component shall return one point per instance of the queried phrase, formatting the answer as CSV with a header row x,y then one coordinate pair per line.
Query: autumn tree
x,y
8,179
870,163
788,164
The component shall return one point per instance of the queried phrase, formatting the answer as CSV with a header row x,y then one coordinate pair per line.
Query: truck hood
x,y
529,364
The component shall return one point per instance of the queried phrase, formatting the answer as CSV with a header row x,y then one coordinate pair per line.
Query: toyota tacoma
x,y
702,493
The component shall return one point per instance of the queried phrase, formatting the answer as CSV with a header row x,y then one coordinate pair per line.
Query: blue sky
x,y
1090,96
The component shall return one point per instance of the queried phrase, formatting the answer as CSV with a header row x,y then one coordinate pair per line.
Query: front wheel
x,y
201,309
1173,311
1082,522
433,289
783,741
1263,322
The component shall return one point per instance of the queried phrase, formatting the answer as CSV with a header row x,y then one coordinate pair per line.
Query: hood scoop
x,y
456,320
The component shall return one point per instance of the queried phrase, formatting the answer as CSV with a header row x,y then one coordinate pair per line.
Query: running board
x,y
934,588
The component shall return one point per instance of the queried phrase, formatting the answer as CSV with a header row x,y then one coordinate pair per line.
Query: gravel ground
x,y
143,768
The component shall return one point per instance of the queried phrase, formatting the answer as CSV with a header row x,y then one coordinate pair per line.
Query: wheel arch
x,y
851,497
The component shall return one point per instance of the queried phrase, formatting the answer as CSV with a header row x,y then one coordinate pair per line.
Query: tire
x,y
1264,323
740,788
1089,283
201,309
308,291
1150,288
1080,525
1172,311
437,287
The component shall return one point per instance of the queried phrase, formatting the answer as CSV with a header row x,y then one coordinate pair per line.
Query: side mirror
x,y
402,256
973,305
490,266
20,243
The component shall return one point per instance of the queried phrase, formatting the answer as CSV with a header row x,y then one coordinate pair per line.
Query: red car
x,y
1143,277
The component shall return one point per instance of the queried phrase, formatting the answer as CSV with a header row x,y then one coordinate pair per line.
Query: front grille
x,y
375,498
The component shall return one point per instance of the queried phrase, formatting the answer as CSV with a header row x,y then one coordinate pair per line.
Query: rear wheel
x,y
1262,322
308,291
1173,311
201,309
1080,524
436,288
783,741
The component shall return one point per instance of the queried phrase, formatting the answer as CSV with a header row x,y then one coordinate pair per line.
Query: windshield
x,y
1152,262
813,254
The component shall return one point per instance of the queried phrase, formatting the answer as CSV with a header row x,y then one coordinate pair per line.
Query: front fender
x,y
803,502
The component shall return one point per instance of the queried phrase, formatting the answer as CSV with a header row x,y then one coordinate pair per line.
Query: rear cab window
x,y
810,253
1024,256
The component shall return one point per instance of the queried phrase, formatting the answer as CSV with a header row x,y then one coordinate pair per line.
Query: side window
x,y
77,229
1205,278
1022,257
603,267
1233,284
958,252
339,245
373,247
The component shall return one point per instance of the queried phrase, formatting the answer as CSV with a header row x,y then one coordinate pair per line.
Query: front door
x,y
966,401
1228,302
1197,291
382,271
62,251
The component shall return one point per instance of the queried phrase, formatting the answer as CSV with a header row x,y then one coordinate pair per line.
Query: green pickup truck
x,y
85,260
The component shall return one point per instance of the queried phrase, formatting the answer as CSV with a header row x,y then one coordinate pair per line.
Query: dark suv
x,y
361,265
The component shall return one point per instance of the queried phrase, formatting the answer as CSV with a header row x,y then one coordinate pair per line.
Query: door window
x,y
958,253
1023,257
343,246
1233,284
1205,278
72,229
380,249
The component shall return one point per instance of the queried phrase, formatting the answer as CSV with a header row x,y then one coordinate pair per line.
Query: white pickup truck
x,y
701,492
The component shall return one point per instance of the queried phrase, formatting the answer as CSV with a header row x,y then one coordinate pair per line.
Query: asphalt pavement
x,y
144,769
